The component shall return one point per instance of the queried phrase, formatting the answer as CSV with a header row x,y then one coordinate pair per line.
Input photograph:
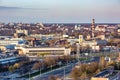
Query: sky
x,y
60,11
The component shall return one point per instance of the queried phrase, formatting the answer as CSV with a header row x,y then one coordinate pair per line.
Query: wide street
x,y
57,72
63,71
60,72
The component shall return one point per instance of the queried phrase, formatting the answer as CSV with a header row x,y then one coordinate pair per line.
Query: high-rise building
x,y
78,52
93,28
80,39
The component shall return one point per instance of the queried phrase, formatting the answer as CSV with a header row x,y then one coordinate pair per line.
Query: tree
x,y
52,77
16,65
22,63
91,69
88,48
76,73
102,63
97,71
37,65
11,68
110,42
83,76
118,45
49,61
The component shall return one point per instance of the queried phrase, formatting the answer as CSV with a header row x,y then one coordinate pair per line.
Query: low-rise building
x,y
35,51
101,28
92,44
101,36
12,41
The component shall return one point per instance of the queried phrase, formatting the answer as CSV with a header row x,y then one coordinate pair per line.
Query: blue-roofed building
x,y
10,46
10,43
101,42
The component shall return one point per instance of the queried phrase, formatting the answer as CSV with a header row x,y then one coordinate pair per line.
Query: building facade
x,y
35,51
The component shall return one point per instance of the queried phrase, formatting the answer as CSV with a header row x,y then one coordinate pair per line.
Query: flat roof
x,y
44,47
10,58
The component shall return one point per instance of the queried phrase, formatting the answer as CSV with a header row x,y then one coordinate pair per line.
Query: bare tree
x,y
52,77
76,73
37,65
16,65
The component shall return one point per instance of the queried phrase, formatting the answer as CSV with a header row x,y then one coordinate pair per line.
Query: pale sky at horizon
x,y
79,11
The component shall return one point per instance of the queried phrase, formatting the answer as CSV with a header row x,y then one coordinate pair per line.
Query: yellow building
x,y
80,39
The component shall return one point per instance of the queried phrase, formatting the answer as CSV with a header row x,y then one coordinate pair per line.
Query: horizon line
x,y
66,22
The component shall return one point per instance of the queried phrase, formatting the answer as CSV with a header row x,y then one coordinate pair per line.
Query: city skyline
x,y
62,11
59,39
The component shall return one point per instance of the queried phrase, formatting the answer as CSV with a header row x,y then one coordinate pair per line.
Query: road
x,y
61,71
58,72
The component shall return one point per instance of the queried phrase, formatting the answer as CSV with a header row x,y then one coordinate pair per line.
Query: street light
x,y
72,65
64,73
40,71
67,62
51,67
118,65
29,75
78,52
12,77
